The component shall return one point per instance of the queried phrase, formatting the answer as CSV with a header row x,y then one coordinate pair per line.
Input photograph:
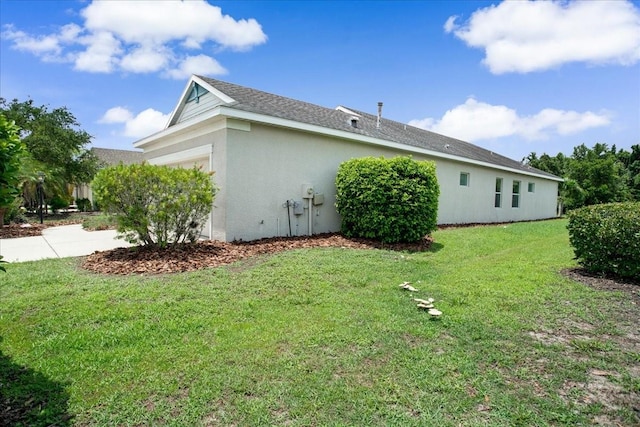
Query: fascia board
x,y
182,127
292,124
223,96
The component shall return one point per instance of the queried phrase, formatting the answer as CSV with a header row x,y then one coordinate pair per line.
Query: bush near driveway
x,y
606,238
156,205
392,200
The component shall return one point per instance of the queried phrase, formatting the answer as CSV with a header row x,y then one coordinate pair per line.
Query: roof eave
x,y
230,112
292,124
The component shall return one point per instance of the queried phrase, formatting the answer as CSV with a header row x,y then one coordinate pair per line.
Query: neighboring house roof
x,y
111,156
241,98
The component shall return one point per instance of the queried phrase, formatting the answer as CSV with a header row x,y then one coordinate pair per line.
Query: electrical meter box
x,y
298,207
307,191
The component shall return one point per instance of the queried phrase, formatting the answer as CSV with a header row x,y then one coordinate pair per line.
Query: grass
x,y
90,221
98,221
319,337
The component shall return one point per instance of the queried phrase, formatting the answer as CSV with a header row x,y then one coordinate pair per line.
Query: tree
x,y
12,151
555,165
55,141
592,175
598,173
156,205
630,162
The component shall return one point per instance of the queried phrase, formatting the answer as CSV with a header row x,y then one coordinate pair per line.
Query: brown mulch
x,y
12,231
605,283
204,254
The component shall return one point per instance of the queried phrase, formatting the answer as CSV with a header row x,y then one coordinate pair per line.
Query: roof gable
x,y
197,97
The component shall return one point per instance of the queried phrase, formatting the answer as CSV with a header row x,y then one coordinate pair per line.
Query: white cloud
x,y
143,124
200,64
142,37
450,25
526,36
163,21
474,121
116,115
145,59
101,55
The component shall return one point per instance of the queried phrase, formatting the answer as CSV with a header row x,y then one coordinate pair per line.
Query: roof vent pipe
x,y
379,115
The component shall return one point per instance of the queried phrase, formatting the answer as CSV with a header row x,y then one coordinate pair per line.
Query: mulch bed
x,y
605,283
204,254
12,231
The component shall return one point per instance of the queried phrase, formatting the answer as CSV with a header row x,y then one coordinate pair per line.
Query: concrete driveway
x,y
59,242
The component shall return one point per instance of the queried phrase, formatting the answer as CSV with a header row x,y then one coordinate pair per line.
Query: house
x,y
108,157
275,161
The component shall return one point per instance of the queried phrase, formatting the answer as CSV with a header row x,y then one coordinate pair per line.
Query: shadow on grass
x,y
28,398
435,247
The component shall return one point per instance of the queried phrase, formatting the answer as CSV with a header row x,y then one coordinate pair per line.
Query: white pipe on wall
x,y
310,217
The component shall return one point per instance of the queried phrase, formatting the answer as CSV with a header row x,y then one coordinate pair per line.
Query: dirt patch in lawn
x,y
583,341
207,254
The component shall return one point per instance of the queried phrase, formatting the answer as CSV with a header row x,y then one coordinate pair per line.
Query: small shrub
x,y
15,213
100,222
84,204
606,238
58,202
155,205
392,200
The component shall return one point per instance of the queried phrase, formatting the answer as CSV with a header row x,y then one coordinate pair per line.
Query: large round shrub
x,y
606,238
156,205
391,200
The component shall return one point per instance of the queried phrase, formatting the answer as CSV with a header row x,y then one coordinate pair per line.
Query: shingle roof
x,y
113,157
256,101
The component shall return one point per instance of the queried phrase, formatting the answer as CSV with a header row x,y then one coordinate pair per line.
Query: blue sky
x,y
513,77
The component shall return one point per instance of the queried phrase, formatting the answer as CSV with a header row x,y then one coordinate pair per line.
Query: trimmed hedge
x,y
606,238
391,200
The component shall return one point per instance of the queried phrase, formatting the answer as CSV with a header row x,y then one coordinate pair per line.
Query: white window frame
x,y
515,195
497,200
531,187
467,179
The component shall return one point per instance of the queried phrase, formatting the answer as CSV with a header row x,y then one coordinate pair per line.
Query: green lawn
x,y
321,337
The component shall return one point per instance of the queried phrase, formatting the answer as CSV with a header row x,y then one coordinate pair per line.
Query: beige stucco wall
x,y
258,168
269,166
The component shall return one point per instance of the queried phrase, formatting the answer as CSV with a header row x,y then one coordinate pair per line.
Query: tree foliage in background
x,y
392,200
12,152
156,205
606,238
594,175
56,143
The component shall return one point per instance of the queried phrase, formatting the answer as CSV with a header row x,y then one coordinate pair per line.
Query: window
x,y
515,196
196,92
498,199
531,187
464,179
